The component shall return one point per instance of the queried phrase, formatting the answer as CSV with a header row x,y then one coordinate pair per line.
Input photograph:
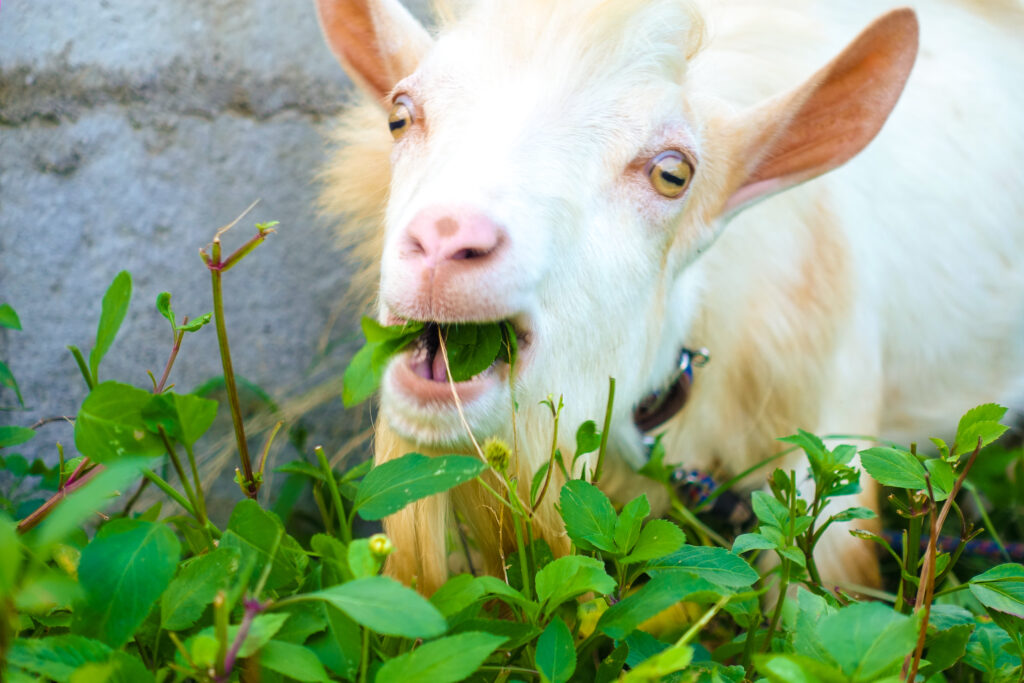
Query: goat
x,y
608,175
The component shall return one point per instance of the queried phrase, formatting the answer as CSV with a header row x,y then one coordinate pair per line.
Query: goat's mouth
x,y
421,372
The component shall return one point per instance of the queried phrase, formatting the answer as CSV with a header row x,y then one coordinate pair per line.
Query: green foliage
x,y
123,572
394,484
161,596
471,347
115,307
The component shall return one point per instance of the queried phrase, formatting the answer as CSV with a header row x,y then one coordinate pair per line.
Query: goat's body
x,y
903,266
884,298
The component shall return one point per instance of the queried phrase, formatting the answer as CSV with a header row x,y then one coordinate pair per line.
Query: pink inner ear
x,y
359,33
832,117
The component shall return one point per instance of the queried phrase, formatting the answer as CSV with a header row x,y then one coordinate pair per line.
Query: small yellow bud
x,y
380,545
497,454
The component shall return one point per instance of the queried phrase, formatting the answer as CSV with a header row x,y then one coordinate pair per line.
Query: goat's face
x,y
555,170
546,188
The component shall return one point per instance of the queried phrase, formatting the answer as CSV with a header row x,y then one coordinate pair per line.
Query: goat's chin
x,y
433,421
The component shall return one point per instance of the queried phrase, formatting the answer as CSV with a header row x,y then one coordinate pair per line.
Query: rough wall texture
x,y
129,131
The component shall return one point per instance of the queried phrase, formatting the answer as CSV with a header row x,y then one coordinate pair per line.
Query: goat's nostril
x,y
414,247
466,254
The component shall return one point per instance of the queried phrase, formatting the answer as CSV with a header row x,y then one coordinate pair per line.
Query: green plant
x,y
147,596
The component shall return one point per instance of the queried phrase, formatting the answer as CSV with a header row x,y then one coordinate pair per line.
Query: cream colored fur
x,y
883,298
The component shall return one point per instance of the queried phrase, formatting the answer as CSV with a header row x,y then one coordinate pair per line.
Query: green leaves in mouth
x,y
471,347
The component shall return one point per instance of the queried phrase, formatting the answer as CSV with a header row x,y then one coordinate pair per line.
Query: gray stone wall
x,y
129,131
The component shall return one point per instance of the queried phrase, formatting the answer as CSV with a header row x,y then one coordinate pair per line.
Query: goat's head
x,y
555,165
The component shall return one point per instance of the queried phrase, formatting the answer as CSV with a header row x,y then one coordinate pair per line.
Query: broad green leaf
x,y
942,476
642,646
627,528
612,665
391,486
195,324
503,591
716,565
10,558
446,660
471,348
792,668
9,318
457,593
56,657
569,576
110,425
123,571
262,628
989,651
163,306
753,541
84,502
658,538
294,661
361,561
946,648
115,306
360,381
195,587
589,516
185,417
658,594
588,439
657,668
980,422
376,333
893,467
385,606
7,380
14,436
365,370
253,532
769,510
338,648
120,668
1001,588
555,657
868,640
811,609
850,514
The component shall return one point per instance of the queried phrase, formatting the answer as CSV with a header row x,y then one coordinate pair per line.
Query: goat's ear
x,y
377,41
830,118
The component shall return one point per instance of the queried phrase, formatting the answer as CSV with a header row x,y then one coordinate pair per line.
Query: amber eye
x,y
670,173
400,118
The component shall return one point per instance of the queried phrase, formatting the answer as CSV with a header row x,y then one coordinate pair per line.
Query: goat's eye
x,y
670,173
400,118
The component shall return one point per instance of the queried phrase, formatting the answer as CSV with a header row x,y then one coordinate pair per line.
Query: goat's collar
x,y
659,406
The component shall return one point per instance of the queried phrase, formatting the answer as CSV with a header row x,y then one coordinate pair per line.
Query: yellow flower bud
x,y
381,546
497,453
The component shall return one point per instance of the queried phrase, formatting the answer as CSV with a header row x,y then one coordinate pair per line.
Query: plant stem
x,y
252,608
777,613
181,475
251,487
364,659
46,508
926,585
178,336
170,491
604,431
551,459
332,486
82,366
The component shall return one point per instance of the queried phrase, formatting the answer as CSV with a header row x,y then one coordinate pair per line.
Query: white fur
x,y
907,256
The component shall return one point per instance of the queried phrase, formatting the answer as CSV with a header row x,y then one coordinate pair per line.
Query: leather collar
x,y
659,406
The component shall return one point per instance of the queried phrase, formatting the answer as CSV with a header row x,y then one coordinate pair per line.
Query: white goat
x,y
572,165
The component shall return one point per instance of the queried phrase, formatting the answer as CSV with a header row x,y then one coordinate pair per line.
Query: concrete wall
x,y
129,131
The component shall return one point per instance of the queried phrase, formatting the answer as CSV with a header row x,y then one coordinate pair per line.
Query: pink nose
x,y
443,239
